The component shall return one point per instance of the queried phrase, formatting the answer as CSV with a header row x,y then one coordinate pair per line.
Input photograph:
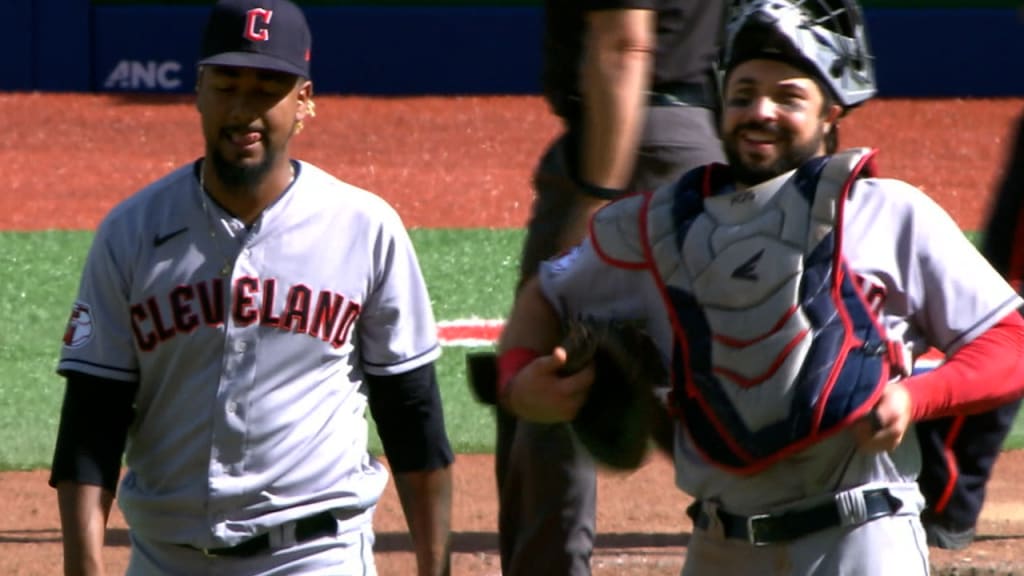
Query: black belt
x,y
762,529
323,524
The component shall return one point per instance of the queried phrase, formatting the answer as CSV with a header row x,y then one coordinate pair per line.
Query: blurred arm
x,y
616,76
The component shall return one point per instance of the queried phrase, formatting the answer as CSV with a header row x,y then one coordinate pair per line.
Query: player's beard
x,y
791,153
240,176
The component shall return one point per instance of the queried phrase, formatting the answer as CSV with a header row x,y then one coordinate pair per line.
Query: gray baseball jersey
x,y
249,347
929,285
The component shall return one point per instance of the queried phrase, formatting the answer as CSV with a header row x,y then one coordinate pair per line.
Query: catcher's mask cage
x,y
824,37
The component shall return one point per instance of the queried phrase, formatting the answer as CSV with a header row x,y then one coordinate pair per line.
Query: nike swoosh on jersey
x,y
159,240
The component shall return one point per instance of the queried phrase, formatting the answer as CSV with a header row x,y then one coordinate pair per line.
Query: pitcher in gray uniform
x,y
234,320
789,293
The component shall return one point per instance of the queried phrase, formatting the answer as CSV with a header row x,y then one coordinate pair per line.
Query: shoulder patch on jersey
x,y
80,326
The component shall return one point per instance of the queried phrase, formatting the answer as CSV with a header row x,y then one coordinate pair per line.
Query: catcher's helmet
x,y
824,37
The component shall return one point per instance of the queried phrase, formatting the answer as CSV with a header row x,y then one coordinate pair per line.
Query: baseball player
x,y
790,292
233,322
959,452
633,83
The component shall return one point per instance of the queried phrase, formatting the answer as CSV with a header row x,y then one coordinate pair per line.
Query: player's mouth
x,y
244,140
759,142
756,139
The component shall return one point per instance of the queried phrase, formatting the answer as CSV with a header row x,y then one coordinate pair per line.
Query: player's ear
x,y
833,112
304,101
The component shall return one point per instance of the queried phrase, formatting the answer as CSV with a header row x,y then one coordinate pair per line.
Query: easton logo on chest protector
x,y
748,270
774,345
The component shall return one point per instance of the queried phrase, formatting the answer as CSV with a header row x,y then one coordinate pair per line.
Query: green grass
x,y
470,274
38,280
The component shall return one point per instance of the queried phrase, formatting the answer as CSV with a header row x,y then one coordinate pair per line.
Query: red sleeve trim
x,y
984,374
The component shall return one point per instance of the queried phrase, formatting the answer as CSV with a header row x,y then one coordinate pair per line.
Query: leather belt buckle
x,y
322,524
752,523
781,527
245,549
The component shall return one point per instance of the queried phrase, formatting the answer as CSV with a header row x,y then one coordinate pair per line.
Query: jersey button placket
x,y
231,407
230,437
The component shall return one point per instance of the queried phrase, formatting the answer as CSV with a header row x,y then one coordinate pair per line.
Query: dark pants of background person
x,y
547,484
957,455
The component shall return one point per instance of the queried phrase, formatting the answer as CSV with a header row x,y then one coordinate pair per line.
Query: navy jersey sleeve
x,y
410,419
94,424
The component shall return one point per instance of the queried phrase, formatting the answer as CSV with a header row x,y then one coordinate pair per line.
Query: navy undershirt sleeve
x,y
410,420
94,423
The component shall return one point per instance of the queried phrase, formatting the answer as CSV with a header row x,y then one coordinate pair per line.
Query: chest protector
x,y
775,346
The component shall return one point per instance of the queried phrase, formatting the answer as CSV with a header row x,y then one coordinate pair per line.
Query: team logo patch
x,y
79,330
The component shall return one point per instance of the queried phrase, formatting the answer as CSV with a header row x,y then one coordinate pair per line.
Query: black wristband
x,y
600,191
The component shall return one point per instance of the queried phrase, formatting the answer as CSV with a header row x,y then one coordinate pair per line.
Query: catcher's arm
x,y
982,375
529,383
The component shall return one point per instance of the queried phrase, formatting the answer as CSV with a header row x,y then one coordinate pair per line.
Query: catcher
x,y
790,293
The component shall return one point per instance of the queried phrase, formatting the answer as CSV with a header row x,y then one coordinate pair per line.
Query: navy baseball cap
x,y
264,34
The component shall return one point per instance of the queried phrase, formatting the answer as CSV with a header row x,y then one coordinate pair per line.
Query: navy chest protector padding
x,y
844,371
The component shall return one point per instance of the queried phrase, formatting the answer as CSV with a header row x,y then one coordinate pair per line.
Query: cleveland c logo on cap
x,y
257,24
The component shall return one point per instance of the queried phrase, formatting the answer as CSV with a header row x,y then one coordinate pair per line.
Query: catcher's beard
x,y
792,155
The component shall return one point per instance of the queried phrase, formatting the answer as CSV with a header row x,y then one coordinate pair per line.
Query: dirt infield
x,y
638,536
456,162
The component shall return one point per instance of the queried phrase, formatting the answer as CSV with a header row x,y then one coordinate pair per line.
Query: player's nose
x,y
762,109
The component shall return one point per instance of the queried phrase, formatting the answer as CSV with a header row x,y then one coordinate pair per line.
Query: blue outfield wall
x,y
357,50
16,43
46,45
955,52
457,50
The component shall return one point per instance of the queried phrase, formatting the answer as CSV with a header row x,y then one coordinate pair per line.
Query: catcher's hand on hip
x,y
883,428
540,393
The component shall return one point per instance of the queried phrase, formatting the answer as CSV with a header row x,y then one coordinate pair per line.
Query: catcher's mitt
x,y
616,420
